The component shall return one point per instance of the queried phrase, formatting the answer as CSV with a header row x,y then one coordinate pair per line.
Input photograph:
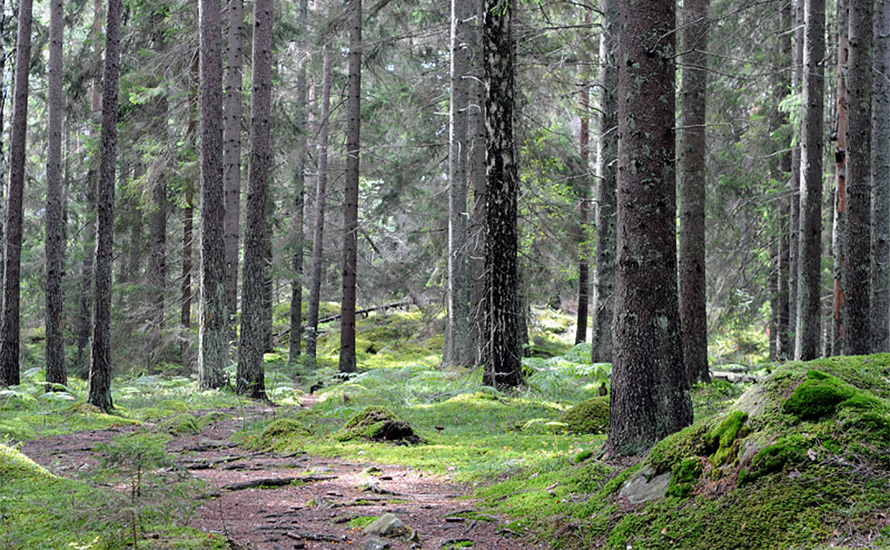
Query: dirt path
x,y
316,498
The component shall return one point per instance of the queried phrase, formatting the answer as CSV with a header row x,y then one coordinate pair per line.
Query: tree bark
x,y
476,179
12,253
251,380
232,149
213,338
584,237
692,168
650,395
880,198
55,345
783,170
297,234
458,350
838,230
606,184
320,200
100,353
795,182
810,255
503,368
350,207
857,339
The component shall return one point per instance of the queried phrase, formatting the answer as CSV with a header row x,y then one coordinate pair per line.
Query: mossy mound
x,y
800,461
378,424
587,417
180,424
15,465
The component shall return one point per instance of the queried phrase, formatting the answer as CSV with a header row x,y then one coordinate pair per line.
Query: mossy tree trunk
x,y
650,395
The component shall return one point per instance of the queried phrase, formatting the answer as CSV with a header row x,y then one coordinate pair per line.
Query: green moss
x,y
685,475
817,396
722,441
587,417
180,424
788,450
281,430
361,522
15,465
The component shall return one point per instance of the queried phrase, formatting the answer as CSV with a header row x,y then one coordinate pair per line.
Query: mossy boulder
x,y
587,417
180,424
723,441
378,424
817,396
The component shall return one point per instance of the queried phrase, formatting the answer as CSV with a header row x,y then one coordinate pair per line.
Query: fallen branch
x,y
274,482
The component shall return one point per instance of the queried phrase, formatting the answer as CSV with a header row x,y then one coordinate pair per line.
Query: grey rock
x,y
638,490
752,401
387,525
373,543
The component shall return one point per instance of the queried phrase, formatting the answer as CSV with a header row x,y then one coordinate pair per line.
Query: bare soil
x,y
303,502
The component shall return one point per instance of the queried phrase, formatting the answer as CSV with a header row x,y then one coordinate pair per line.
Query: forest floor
x,y
302,501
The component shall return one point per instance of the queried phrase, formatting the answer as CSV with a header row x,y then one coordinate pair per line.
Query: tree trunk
x,y
584,240
692,167
320,199
795,182
185,288
880,198
810,255
458,350
55,344
268,280
232,149
650,395
783,170
297,234
857,338
12,253
350,207
100,353
250,350
476,179
213,339
503,367
604,217
840,210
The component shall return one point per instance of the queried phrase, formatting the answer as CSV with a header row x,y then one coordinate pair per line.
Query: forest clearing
x,y
797,460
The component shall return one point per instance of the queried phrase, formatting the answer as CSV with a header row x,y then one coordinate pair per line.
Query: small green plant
x,y
135,455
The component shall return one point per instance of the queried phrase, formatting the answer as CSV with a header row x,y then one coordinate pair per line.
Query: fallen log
x,y
274,482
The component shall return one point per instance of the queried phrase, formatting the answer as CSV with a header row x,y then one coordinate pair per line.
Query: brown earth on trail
x,y
272,501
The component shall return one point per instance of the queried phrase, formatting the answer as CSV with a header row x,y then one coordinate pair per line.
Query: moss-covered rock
x,y
817,396
723,440
587,417
378,424
180,424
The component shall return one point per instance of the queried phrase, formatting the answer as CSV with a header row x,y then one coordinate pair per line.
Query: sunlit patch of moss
x,y
723,440
587,417
184,423
15,465
819,395
360,522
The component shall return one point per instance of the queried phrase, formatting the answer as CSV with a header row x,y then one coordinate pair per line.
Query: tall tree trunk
x,y
268,280
783,170
606,184
476,179
157,260
795,182
692,167
250,350
12,252
810,255
880,193
840,201
503,367
55,344
320,199
650,395
584,241
297,235
458,350
100,353
350,207
185,286
214,332
857,339
232,149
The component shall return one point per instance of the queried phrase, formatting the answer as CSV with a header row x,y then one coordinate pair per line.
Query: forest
x,y
483,274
